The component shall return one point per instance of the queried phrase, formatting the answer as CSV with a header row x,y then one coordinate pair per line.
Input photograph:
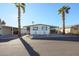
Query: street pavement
x,y
54,47
26,46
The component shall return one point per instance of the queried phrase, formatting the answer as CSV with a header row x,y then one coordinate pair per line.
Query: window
x,y
35,28
44,27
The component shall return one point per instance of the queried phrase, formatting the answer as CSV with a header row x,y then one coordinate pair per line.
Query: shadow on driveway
x,y
30,50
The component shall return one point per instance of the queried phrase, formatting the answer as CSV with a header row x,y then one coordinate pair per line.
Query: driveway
x,y
12,47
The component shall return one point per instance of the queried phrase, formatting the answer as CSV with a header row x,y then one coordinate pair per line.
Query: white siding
x,y
39,30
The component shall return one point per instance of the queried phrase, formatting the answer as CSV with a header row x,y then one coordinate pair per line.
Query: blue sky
x,y
40,13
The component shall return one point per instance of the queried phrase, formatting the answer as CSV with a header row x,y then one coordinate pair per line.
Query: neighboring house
x,y
7,30
67,30
40,29
75,29
70,30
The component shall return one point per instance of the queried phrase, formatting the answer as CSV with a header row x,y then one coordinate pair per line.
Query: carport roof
x,y
9,26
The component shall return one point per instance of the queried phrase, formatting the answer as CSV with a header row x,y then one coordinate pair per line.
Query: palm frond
x,y
60,11
23,7
23,4
67,10
16,4
64,9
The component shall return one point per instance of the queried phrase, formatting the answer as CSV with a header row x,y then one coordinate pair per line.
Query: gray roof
x,y
38,24
41,24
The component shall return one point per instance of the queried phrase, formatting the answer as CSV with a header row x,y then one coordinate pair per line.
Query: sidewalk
x,y
13,48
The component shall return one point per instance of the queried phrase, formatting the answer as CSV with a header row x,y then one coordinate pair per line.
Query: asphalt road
x,y
54,47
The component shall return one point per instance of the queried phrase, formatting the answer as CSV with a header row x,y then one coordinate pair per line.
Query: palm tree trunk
x,y
19,24
63,20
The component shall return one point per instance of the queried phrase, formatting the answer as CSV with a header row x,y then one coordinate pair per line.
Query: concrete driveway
x,y
12,47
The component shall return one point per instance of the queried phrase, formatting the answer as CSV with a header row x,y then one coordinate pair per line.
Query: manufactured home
x,y
75,29
7,30
39,29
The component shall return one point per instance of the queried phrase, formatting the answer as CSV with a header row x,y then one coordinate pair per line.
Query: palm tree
x,y
20,6
63,11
